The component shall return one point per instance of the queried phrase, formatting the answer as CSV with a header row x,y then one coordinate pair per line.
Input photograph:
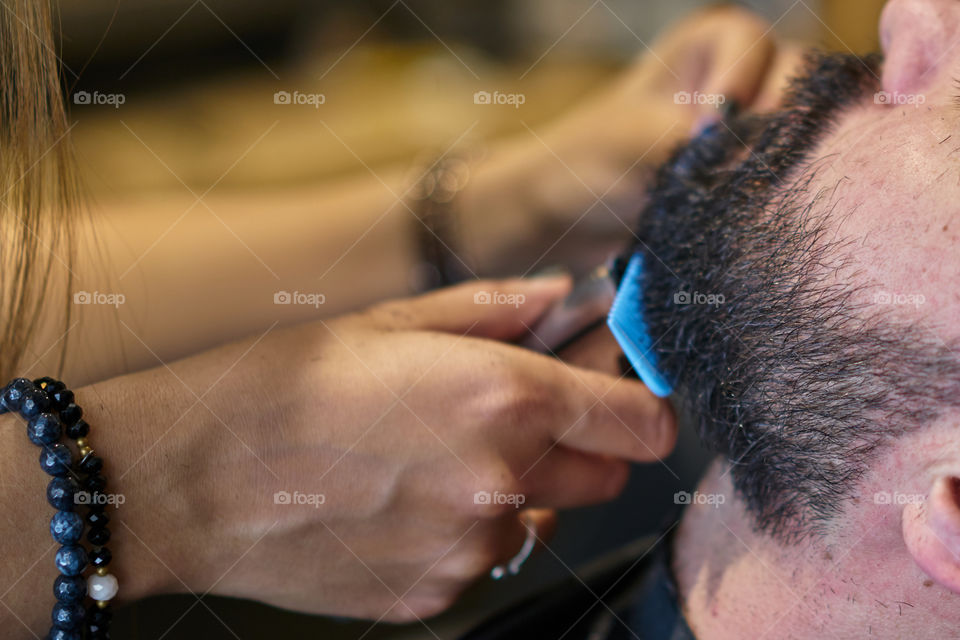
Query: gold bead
x,y
103,604
85,451
101,571
81,442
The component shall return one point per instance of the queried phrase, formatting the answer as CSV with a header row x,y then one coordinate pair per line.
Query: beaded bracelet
x,y
48,407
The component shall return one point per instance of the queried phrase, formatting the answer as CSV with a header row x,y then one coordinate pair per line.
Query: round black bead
x,y
34,402
12,395
100,557
98,631
90,464
61,493
95,483
67,615
97,507
55,459
46,381
70,589
63,634
99,536
79,429
97,519
60,398
44,428
96,615
66,527
70,413
71,560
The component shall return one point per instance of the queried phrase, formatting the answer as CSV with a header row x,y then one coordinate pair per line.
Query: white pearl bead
x,y
102,587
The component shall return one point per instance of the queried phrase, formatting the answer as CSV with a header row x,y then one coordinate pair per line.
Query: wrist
x,y
503,206
139,562
198,474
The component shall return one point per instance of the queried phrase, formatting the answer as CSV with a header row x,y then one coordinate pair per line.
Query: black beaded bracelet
x,y
49,409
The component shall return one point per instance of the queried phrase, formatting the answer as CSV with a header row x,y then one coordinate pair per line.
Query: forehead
x,y
891,177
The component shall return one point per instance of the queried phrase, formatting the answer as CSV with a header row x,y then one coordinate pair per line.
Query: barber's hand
x,y
706,60
402,417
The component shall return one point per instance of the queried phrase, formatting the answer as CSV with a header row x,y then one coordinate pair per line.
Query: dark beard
x,y
790,380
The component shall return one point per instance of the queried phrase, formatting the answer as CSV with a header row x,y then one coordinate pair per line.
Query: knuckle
x,y
521,401
490,494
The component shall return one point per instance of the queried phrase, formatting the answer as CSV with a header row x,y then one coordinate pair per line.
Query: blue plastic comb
x,y
626,321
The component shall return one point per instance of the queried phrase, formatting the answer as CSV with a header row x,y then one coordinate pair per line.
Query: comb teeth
x,y
627,323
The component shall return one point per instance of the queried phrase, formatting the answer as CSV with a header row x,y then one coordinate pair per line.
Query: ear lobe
x,y
931,531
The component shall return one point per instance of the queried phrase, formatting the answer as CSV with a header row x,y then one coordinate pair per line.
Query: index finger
x,y
613,416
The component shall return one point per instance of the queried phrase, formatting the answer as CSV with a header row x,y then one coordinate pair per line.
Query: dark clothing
x,y
629,595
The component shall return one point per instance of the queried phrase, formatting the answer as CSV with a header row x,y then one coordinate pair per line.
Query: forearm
x,y
192,278
193,275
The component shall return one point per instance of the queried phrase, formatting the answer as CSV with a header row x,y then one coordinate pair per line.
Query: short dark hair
x,y
789,378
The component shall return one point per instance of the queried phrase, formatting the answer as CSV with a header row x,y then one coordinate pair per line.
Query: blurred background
x,y
199,76
198,80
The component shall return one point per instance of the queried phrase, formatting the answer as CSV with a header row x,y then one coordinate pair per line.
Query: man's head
x,y
802,286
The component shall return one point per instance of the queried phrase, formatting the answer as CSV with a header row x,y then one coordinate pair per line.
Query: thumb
x,y
497,309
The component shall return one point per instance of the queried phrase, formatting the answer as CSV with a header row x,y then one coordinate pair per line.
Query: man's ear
x,y
931,531
916,36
